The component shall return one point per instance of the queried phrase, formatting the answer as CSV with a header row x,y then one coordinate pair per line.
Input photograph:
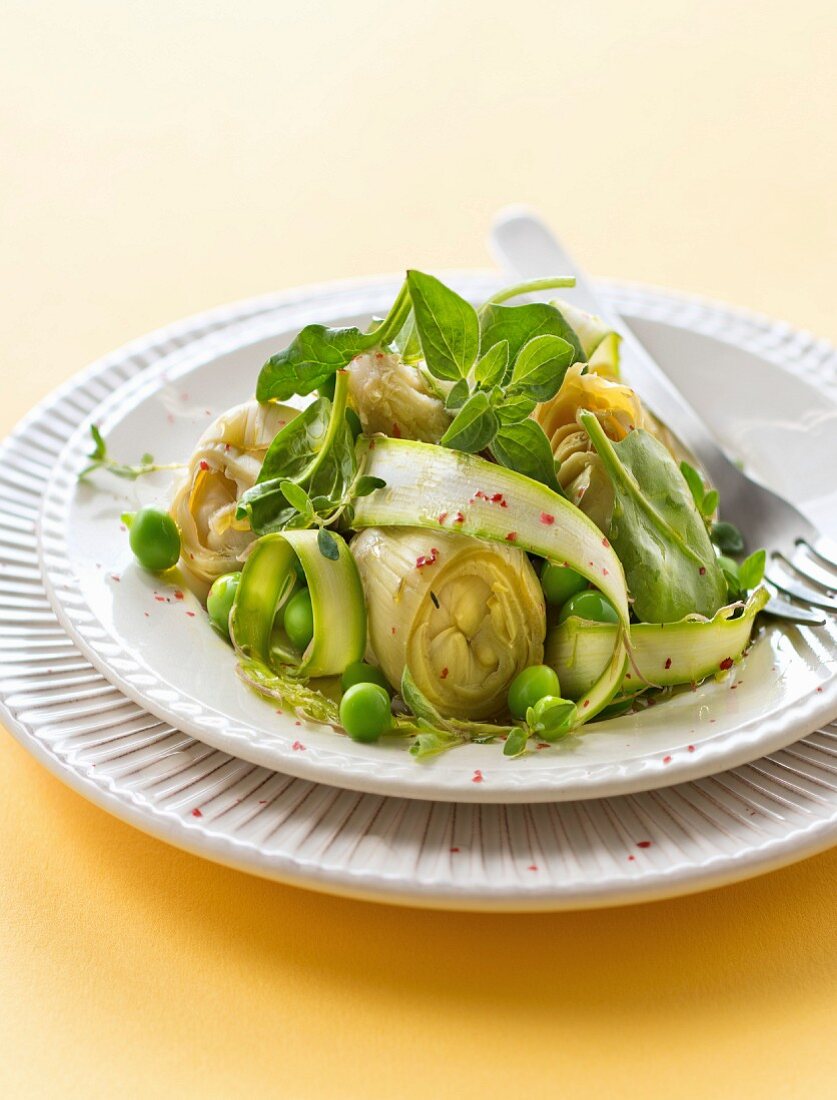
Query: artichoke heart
x,y
465,616
581,474
226,461
391,397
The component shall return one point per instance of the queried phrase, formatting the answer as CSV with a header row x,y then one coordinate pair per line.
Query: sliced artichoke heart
x,y
225,463
391,397
465,616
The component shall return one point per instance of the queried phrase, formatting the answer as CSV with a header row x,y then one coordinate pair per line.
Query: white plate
x,y
566,855
156,647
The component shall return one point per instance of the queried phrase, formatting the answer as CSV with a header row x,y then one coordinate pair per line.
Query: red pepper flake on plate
x,y
477,777
196,812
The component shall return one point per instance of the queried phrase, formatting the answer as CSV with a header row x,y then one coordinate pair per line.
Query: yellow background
x,y
159,157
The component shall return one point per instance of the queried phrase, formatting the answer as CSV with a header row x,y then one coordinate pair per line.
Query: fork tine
x,y
791,612
810,569
824,548
785,581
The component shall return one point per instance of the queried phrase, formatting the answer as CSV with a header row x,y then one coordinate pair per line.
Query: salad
x,y
470,529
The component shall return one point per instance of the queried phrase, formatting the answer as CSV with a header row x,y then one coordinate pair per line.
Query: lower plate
x,y
548,856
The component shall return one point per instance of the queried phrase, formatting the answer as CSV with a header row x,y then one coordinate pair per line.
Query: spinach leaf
x,y
309,360
540,367
519,324
656,530
473,427
317,352
524,447
447,325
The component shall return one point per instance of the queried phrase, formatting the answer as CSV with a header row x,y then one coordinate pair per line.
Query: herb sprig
x,y
101,460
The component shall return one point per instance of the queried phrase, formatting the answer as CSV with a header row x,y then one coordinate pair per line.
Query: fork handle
x,y
523,243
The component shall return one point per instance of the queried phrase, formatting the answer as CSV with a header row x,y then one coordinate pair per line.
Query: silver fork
x,y
801,569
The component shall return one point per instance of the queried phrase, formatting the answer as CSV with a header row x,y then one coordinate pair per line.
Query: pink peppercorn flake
x,y
427,559
726,663
702,570
204,465
442,517
643,844
458,518
605,543
532,867
668,662
178,595
477,777
666,759
586,703
396,431
454,849
191,614
691,748
511,536
632,858
298,746
196,812
547,519
443,675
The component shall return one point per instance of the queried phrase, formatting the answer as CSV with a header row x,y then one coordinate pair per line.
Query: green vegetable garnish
x,y
656,529
359,672
220,600
365,712
532,684
559,582
154,539
590,605
101,460
299,620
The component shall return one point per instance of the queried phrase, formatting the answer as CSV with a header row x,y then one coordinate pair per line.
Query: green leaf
x,y
695,483
314,355
416,701
367,484
552,718
317,352
458,395
407,342
100,450
515,744
315,450
524,447
540,367
656,530
730,570
710,504
296,496
727,538
514,409
751,570
491,368
327,544
519,324
431,742
447,325
474,426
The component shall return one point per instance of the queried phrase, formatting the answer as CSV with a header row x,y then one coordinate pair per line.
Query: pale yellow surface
x,y
159,157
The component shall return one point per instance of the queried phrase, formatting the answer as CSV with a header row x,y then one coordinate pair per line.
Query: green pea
x,y
559,582
299,619
154,539
365,712
359,672
589,605
530,685
220,600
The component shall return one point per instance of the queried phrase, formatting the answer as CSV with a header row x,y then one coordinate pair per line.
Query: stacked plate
x,y
110,678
